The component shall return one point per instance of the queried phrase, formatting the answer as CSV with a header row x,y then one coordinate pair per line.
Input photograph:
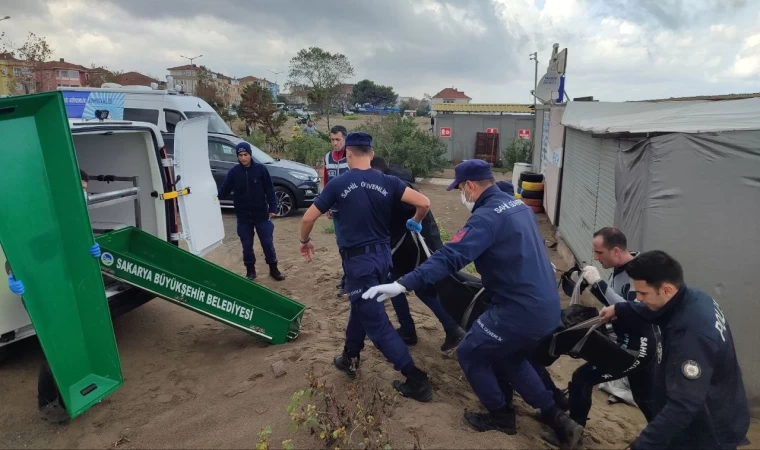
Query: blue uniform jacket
x,y
253,192
502,238
699,399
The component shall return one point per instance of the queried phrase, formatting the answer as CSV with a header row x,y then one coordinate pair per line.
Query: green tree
x,y
400,141
257,109
366,91
322,73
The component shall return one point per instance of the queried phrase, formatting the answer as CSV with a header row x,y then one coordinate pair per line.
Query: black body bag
x,y
463,297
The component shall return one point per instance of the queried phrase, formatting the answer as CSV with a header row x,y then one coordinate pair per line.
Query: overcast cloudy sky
x,y
617,49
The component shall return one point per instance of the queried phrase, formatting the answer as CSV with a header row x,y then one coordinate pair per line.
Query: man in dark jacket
x,y
255,206
407,255
700,401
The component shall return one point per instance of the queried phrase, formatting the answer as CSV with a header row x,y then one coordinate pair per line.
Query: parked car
x,y
296,185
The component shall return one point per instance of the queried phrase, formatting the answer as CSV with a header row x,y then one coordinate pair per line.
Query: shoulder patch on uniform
x,y
691,369
458,236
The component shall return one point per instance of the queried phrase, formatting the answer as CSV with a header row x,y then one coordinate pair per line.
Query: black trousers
x,y
588,375
47,390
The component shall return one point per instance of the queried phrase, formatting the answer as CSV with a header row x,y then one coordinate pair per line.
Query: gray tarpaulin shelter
x,y
683,177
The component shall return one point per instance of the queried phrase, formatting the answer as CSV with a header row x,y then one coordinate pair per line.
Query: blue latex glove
x,y
95,250
411,225
16,286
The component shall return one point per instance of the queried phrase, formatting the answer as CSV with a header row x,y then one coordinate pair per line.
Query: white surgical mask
x,y
467,204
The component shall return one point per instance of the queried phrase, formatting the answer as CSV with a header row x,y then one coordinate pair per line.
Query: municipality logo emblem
x,y
691,370
107,259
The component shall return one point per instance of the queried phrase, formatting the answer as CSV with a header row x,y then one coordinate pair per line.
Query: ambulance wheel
x,y
533,202
532,194
532,177
537,209
286,201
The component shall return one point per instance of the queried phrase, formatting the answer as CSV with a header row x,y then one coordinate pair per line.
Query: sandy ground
x,y
193,383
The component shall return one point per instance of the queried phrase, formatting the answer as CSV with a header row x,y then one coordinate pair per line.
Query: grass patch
x,y
329,229
445,236
353,117
470,268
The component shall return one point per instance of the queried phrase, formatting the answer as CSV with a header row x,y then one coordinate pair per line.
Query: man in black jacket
x,y
407,255
701,401
255,206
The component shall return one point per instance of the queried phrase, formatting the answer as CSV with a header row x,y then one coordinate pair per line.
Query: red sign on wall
x,y
524,134
445,132
492,130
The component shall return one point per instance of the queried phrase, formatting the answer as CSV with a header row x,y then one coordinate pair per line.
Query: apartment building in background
x,y
274,88
16,76
54,74
186,76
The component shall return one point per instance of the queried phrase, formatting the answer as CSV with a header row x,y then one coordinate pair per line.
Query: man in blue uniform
x,y
255,206
700,401
365,198
502,238
407,255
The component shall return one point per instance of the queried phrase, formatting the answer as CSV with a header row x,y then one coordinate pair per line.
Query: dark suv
x,y
296,185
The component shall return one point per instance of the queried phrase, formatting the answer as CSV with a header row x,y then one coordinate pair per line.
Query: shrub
x,y
400,141
257,138
351,417
519,151
307,149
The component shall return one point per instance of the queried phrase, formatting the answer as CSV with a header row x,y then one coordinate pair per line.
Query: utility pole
x,y
191,59
534,57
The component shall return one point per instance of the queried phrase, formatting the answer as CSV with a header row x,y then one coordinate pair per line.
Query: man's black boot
x,y
453,338
274,272
500,420
408,338
417,386
347,365
561,399
250,271
569,433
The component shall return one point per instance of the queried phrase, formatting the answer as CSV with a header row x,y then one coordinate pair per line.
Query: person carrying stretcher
x,y
407,254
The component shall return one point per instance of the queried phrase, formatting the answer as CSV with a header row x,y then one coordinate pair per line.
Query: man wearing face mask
x,y
502,238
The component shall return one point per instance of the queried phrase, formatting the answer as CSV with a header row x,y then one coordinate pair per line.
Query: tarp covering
x,y
680,117
697,197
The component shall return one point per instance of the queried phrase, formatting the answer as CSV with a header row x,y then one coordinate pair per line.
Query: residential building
x,y
450,95
135,79
186,76
263,82
54,74
15,76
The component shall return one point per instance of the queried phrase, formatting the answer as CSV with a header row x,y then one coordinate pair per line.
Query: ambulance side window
x,y
172,119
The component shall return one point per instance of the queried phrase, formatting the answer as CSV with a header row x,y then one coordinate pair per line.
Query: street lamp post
x,y
275,75
191,59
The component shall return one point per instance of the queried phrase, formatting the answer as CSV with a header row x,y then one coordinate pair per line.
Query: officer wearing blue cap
x,y
502,238
365,198
255,206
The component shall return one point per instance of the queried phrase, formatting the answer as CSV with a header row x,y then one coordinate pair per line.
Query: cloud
x,y
617,49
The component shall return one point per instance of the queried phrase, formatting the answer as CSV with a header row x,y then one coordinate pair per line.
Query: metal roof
x,y
513,108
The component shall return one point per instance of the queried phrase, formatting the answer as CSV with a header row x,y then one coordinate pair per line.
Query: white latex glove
x,y
591,275
386,291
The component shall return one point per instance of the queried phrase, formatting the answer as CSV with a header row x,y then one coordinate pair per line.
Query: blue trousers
x,y
429,297
246,230
368,317
494,356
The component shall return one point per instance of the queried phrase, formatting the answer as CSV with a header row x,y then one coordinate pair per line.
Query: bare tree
x,y
34,52
96,76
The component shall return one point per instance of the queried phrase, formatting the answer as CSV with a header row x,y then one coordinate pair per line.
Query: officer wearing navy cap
x,y
365,198
255,206
502,238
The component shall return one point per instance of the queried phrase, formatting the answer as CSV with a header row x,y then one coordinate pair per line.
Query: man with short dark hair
x,y
407,255
335,164
502,238
365,198
701,402
255,206
610,249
